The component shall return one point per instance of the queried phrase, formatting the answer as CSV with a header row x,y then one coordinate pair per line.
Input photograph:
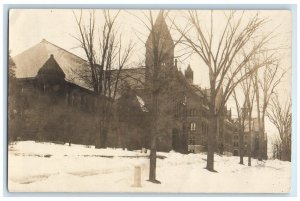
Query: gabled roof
x,y
31,60
51,67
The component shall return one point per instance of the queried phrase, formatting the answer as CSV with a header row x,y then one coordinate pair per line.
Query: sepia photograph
x,y
149,101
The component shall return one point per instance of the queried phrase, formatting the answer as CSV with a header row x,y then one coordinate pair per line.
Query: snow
x,y
48,167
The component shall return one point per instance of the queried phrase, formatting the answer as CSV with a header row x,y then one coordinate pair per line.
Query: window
x,y
193,126
236,144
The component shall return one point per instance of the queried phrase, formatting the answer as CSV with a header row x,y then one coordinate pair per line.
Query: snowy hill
x,y
48,167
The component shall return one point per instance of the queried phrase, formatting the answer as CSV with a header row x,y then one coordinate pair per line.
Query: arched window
x,y
193,126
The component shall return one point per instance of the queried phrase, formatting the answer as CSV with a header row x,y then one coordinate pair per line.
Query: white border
x,y
148,2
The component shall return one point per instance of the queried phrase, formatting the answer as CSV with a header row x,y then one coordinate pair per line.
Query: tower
x,y
159,48
189,74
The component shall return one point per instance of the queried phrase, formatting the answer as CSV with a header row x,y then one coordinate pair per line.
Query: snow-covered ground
x,y
46,167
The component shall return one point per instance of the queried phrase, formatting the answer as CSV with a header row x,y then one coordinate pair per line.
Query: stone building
x,y
183,106
48,107
251,139
54,105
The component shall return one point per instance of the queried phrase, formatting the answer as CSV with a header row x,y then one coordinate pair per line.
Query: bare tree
x,y
159,63
104,53
11,98
249,105
245,112
156,47
264,89
241,125
281,117
224,57
276,148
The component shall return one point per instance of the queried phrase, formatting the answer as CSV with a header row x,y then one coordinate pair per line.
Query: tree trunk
x,y
249,141
152,170
261,138
260,144
241,143
285,151
211,143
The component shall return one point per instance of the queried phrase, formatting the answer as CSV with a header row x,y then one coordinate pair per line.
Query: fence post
x,y
137,177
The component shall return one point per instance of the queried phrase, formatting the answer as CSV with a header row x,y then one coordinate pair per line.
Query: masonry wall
x,y
58,114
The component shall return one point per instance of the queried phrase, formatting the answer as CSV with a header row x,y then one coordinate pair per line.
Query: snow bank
x,y
60,150
48,167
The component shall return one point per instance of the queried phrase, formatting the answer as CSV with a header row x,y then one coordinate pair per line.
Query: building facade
x,y
55,106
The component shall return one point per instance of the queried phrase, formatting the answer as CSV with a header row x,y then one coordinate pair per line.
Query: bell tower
x,y
159,48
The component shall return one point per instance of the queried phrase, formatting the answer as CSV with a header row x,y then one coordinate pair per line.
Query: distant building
x,y
251,139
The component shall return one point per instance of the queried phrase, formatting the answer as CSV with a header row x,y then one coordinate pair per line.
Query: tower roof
x,y
160,20
160,28
51,67
189,69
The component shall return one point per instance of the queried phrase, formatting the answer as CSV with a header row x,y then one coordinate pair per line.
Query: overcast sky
x,y
29,27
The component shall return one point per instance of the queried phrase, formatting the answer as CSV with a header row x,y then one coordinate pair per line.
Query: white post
x,y
137,177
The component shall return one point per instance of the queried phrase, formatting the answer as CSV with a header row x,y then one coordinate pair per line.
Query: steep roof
x,y
160,28
51,67
189,69
31,60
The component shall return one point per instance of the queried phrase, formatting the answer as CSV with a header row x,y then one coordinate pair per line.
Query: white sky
x,y
29,27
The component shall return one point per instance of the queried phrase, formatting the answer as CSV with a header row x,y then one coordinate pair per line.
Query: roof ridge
x,y
46,41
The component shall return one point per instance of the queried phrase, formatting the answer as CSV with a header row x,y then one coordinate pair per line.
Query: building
x,y
250,139
52,104
183,121
45,75
48,107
